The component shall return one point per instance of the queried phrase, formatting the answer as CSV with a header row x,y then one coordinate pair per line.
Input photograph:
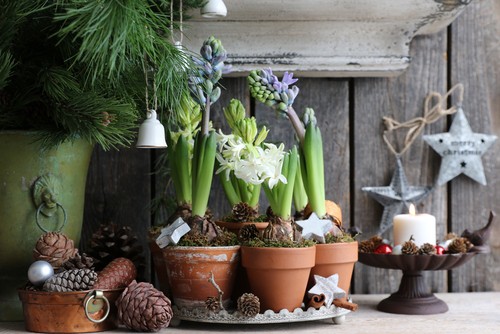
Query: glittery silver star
x,y
328,286
397,196
315,228
461,150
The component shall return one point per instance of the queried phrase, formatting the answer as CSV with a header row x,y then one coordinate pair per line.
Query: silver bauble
x,y
39,272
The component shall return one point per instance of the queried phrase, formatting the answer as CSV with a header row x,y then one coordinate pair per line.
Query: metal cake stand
x,y
413,296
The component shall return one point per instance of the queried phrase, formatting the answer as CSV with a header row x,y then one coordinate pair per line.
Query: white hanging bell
x,y
213,9
151,133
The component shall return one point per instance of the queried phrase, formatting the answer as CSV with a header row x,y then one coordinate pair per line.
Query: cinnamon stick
x,y
345,304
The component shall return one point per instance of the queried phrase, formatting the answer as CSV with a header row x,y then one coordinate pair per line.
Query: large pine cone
x,y
118,274
110,242
242,212
55,248
71,280
143,308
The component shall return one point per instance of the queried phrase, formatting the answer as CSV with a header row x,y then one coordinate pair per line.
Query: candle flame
x,y
412,210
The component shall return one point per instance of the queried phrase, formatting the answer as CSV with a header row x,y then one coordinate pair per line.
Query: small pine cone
x,y
427,249
117,274
248,232
409,248
248,305
459,245
242,212
212,304
71,280
78,262
55,248
143,308
369,246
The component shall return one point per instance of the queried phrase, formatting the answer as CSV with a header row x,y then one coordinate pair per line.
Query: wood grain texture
x,y
119,191
401,98
329,99
474,62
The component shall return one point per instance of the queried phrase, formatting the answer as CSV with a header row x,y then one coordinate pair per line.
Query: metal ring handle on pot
x,y
96,294
40,207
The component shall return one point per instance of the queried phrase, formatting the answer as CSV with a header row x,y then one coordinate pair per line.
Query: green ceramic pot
x,y
26,173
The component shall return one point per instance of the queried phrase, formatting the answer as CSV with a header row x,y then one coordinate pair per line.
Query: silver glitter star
x,y
172,233
315,228
328,286
397,196
461,150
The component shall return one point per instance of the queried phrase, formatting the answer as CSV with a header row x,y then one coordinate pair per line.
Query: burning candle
x,y
422,227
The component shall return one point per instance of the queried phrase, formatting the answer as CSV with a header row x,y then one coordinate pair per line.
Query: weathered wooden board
x,y
401,98
121,184
119,191
475,58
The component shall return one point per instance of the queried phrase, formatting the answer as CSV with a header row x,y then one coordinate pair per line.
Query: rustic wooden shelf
x,y
323,38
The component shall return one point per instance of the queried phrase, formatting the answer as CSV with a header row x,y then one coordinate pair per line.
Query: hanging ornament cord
x,y
431,114
181,33
155,98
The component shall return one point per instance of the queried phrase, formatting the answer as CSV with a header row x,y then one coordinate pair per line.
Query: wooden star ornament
x,y
461,150
329,287
315,228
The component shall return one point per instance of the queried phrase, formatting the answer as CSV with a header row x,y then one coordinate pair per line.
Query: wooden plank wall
x,y
121,185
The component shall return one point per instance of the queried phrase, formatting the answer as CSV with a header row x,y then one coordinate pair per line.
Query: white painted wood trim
x,y
323,38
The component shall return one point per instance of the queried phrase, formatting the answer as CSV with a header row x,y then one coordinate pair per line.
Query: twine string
x,y
432,113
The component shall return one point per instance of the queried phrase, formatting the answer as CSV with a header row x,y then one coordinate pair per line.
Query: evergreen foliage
x,y
76,69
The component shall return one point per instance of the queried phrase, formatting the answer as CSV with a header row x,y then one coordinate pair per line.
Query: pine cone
x,y
77,262
248,304
212,304
143,308
110,242
459,245
71,280
248,232
450,236
118,274
409,248
369,245
55,248
242,212
427,249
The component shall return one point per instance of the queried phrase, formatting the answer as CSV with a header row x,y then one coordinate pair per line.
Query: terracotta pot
x,y
278,276
338,259
64,312
184,272
235,227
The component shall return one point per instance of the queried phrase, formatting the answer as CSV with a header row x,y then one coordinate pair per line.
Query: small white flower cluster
x,y
252,164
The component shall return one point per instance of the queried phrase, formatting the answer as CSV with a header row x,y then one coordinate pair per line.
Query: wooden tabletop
x,y
469,313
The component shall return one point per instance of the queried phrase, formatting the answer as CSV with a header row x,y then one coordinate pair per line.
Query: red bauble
x,y
440,250
383,249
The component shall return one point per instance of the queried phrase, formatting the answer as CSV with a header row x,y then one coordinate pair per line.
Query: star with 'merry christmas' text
x,y
327,286
461,150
